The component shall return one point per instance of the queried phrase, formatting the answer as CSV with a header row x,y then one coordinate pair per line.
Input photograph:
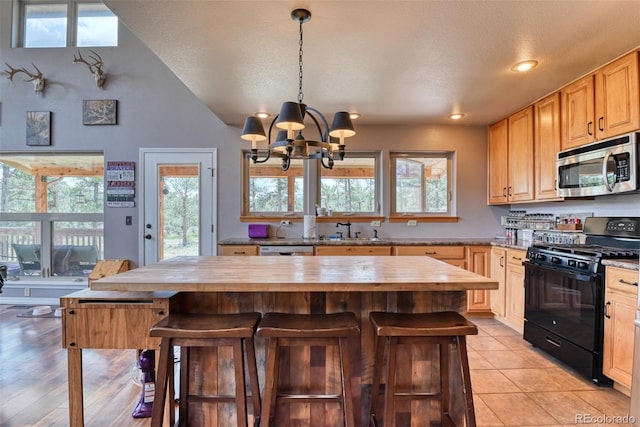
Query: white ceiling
x,y
392,61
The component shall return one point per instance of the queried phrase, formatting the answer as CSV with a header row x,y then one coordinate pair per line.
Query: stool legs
x,y
269,400
253,380
387,345
347,401
161,384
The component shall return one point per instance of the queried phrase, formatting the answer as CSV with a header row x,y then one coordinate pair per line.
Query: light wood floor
x,y
513,383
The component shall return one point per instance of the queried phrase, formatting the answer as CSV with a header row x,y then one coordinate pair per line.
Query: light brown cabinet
x,y
479,261
353,250
514,289
511,165
520,187
621,292
498,147
603,104
617,97
547,140
238,250
499,274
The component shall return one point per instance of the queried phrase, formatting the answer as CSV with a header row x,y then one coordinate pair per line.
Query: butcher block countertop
x,y
295,274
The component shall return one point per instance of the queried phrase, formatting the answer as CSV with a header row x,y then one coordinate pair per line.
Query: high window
x,y
421,184
67,23
51,207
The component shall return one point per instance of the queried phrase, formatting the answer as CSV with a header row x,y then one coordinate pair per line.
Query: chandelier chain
x,y
300,94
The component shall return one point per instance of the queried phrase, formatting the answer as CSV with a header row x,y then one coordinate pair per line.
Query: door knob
x,y
147,236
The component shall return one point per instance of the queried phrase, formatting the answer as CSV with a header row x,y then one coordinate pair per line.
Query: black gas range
x,y
564,292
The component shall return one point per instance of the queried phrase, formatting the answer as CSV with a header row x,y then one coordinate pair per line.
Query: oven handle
x,y
572,274
604,171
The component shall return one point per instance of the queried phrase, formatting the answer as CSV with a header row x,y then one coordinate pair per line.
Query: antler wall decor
x,y
38,79
95,67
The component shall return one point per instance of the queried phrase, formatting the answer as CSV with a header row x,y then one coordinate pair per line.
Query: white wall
x,y
157,110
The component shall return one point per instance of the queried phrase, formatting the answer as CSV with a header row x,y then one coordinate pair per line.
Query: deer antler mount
x,y
95,66
37,79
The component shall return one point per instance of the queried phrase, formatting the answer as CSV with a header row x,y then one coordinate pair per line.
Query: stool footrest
x,y
417,395
213,399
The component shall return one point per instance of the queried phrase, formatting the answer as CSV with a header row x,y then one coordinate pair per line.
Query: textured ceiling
x,y
394,62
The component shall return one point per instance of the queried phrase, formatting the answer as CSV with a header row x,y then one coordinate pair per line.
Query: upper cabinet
x,y
603,104
618,97
510,168
498,162
546,146
520,154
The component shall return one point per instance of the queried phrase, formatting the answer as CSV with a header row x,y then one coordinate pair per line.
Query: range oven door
x,y
564,317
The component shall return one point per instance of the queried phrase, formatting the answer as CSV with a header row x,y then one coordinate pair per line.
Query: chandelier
x,y
289,142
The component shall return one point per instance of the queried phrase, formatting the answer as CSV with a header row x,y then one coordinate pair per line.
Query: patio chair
x,y
28,258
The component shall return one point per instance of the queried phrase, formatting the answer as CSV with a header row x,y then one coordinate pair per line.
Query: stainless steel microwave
x,y
605,167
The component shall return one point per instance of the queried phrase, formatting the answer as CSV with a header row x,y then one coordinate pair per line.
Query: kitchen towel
x,y
309,227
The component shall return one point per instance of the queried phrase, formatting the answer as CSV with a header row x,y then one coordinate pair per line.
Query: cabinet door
x,y
498,273
578,113
353,250
521,156
514,310
617,97
619,327
498,141
547,137
478,261
238,250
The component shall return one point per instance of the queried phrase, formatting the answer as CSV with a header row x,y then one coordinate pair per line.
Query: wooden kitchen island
x,y
308,285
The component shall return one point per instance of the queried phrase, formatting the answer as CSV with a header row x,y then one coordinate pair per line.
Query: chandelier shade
x,y
289,142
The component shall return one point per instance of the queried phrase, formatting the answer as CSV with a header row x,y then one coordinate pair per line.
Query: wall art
x,y
100,112
38,127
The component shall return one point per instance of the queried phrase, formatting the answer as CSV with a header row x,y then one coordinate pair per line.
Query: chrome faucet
x,y
348,225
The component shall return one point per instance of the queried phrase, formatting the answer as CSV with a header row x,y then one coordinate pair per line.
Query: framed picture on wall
x,y
38,127
99,112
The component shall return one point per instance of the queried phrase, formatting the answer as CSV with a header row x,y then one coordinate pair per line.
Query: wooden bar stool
x,y
443,329
218,330
289,330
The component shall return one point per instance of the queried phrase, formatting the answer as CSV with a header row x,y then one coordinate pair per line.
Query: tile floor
x,y
516,384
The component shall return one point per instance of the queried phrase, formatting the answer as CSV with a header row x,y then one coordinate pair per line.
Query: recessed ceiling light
x,y
354,116
524,66
262,115
456,116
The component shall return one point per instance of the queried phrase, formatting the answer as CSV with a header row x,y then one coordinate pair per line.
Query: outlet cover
x,y
285,222
375,223
412,222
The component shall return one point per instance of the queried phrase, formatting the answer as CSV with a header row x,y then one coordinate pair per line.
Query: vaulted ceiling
x,y
394,62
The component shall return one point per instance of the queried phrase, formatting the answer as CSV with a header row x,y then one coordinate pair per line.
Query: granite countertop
x,y
629,264
379,242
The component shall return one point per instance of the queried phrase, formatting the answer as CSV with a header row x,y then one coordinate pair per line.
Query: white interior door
x,y
178,212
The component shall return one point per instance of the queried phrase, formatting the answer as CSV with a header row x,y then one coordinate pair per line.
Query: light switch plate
x,y
375,223
412,222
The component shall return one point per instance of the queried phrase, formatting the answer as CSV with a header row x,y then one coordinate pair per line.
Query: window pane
x,y
421,184
60,183
77,247
180,212
271,190
45,25
350,186
20,247
97,26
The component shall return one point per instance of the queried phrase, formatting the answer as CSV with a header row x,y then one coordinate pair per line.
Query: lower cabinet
x,y
514,289
238,250
621,292
454,255
479,261
499,274
355,250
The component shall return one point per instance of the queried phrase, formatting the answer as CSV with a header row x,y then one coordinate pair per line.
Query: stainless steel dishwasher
x,y
286,250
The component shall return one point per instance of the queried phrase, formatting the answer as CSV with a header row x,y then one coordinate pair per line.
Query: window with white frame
x,y
421,183
81,23
352,186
